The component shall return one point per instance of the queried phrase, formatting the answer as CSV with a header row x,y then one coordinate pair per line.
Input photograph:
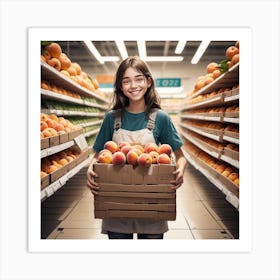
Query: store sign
x,y
168,82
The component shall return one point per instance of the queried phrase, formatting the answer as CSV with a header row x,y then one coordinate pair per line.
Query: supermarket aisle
x,y
202,212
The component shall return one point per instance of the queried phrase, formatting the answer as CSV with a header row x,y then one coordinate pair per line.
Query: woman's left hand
x,y
179,172
179,178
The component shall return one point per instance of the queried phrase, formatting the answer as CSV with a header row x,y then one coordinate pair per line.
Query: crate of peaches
x,y
134,181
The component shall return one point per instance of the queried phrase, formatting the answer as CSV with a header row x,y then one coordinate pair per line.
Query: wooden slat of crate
x,y
45,143
146,200
170,216
135,206
63,138
54,141
136,188
135,194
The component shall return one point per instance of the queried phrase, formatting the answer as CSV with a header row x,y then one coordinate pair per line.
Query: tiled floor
x,y
202,212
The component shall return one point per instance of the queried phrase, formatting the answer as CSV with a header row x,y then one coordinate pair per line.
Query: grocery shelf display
x,y
72,109
209,126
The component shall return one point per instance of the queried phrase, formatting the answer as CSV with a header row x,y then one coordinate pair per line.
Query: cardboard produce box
x,y
129,192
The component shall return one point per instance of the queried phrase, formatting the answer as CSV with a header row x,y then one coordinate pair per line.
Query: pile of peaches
x,y
56,161
52,125
214,70
135,154
52,54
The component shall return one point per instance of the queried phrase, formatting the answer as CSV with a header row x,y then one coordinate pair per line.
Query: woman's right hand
x,y
91,184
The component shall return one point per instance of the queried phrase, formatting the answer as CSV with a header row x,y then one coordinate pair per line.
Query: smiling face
x,y
134,85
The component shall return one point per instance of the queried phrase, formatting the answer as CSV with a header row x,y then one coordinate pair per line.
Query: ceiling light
x,y
180,47
200,51
122,49
142,49
97,55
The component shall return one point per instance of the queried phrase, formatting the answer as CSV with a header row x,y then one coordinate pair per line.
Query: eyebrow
x,y
133,76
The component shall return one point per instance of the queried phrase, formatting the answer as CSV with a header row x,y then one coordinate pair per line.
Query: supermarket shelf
x,y
212,151
52,188
92,132
231,120
230,196
56,149
200,145
90,123
52,74
218,138
50,95
71,113
228,79
202,117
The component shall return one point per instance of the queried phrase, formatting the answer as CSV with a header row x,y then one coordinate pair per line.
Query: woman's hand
x,y
181,164
91,184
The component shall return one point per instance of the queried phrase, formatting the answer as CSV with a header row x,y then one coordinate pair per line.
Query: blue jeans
x,y
120,235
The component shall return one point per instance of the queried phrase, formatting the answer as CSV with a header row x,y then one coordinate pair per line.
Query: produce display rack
x,y
86,112
199,136
78,111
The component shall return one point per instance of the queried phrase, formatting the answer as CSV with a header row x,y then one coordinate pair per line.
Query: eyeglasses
x,y
139,80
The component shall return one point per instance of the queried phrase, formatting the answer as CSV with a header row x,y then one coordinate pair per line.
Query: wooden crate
x,y
127,192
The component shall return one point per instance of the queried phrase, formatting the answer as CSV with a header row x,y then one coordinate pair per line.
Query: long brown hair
x,y
120,101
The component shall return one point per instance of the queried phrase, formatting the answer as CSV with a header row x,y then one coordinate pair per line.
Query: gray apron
x,y
128,225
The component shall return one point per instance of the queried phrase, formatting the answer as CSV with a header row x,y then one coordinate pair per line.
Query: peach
x,y
64,61
139,147
121,144
65,73
211,67
44,85
165,149
164,159
236,182
51,168
53,117
55,63
49,132
43,125
154,156
144,160
105,156
118,158
54,49
51,123
216,73
43,117
233,176
47,55
111,146
125,149
69,158
235,59
151,147
72,71
77,67
132,157
139,152
59,127
43,174
231,51
62,161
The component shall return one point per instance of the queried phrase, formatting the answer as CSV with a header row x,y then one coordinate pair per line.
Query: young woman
x,y
136,117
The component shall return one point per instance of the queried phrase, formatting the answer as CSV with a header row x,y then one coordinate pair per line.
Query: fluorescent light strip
x,y
97,55
142,49
122,49
200,51
180,47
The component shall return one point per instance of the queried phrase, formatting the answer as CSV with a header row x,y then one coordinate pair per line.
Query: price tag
x,y
81,141
49,191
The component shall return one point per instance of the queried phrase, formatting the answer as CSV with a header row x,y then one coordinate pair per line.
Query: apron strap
x,y
118,121
152,119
